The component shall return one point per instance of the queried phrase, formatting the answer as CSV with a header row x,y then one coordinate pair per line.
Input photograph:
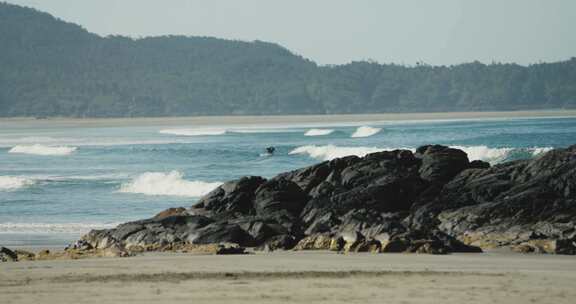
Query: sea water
x,y
57,183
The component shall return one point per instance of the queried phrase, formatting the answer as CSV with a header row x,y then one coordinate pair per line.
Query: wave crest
x,y
497,155
330,152
171,183
9,183
39,149
365,131
194,132
318,132
485,153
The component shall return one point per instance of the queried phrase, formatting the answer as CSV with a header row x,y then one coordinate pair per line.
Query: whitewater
x,y
57,182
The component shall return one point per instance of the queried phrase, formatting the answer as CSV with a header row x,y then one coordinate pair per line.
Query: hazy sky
x,y
337,31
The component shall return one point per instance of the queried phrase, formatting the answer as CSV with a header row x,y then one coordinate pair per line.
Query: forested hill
x,y
52,68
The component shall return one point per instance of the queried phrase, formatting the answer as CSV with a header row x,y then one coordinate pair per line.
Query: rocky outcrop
x,y
432,201
7,255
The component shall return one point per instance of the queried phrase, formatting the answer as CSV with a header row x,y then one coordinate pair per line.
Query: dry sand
x,y
312,277
203,121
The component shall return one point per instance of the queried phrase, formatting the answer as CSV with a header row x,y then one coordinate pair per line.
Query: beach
x,y
337,119
296,277
98,170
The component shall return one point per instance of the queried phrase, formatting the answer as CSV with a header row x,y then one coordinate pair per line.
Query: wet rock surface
x,y
432,201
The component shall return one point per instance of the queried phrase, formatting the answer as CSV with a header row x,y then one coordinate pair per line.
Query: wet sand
x,y
352,119
303,277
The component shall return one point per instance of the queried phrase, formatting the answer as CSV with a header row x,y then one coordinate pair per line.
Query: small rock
x,y
279,242
7,255
317,242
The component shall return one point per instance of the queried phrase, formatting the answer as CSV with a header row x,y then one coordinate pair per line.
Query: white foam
x,y
255,130
496,155
39,149
77,228
365,131
318,132
485,153
330,152
194,132
171,183
492,155
10,183
540,150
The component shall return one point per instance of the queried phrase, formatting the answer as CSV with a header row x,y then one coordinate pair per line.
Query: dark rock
x,y
232,197
7,255
279,195
479,164
261,229
396,246
278,242
222,233
440,163
431,201
155,232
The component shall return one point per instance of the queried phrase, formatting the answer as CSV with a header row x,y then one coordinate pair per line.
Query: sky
x,y
437,32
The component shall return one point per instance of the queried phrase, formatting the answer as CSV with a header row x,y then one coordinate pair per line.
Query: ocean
x,y
57,182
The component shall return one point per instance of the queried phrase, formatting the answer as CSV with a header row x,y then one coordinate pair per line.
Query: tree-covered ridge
x,y
52,68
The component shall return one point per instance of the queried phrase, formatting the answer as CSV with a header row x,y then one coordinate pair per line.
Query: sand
x,y
311,277
348,119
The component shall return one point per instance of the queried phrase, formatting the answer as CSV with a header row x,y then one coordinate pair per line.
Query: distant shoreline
x,y
206,121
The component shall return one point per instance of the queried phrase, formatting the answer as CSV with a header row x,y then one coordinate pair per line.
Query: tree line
x,y
49,67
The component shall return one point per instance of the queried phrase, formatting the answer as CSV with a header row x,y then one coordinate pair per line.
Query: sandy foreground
x,y
206,121
310,277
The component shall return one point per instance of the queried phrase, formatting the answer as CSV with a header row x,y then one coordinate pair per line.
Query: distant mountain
x,y
49,67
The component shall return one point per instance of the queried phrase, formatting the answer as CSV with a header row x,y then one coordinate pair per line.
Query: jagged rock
x,y
222,232
156,231
547,246
312,177
7,255
372,246
431,201
440,163
319,242
233,197
279,195
479,164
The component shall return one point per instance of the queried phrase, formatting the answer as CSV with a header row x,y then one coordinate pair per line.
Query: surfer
x,y
270,150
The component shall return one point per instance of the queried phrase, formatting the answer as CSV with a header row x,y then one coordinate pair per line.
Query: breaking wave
x,y
79,228
10,183
318,132
39,149
171,183
365,131
330,152
194,132
496,155
491,155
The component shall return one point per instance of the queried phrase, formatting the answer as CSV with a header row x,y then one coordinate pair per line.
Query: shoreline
x,y
287,119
